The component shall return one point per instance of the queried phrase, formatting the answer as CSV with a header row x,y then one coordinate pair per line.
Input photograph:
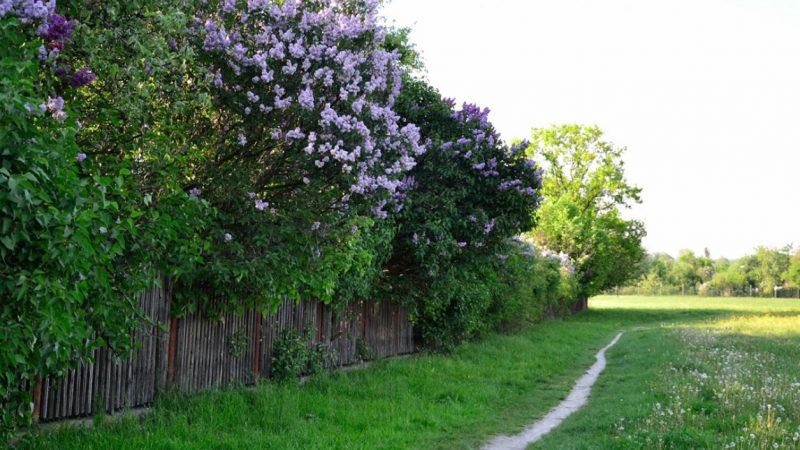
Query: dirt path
x,y
575,401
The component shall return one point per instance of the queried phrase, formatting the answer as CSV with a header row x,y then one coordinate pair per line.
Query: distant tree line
x,y
766,272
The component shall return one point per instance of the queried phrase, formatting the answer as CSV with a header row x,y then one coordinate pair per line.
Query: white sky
x,y
705,95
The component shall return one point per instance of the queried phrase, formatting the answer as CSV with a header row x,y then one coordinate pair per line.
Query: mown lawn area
x,y
721,362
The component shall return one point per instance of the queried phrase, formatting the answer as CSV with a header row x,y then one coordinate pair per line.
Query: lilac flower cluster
x,y
472,113
315,75
55,105
57,28
82,77
27,10
501,167
563,259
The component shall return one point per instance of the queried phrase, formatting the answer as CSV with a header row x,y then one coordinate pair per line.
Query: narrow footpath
x,y
574,401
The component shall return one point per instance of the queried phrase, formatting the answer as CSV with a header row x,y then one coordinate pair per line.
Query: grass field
x,y
689,373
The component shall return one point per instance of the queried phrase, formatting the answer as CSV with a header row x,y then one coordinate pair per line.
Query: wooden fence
x,y
195,353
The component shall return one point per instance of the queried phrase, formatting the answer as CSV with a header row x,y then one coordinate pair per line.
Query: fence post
x,y
37,398
320,322
364,320
257,346
165,329
173,343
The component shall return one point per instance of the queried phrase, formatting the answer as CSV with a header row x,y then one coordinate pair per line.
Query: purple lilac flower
x,y
195,192
228,237
28,10
461,244
261,205
472,112
489,226
63,70
216,38
295,134
56,108
306,98
82,78
80,157
242,139
5,7
57,28
282,103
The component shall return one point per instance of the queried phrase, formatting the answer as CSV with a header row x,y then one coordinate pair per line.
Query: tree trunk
x,y
581,304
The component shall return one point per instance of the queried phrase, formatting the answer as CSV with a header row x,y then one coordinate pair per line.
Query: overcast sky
x,y
704,94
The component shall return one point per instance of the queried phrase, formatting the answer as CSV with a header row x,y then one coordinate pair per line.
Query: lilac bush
x,y
306,156
468,195
309,92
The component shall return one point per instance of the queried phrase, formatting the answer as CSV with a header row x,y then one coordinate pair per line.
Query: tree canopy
x,y
584,189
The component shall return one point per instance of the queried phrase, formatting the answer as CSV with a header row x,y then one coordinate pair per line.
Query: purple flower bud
x,y
80,157
228,237
195,192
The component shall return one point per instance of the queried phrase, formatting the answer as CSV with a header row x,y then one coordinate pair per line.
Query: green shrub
x,y
66,287
294,355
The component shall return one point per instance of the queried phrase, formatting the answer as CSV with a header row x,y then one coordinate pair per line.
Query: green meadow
x,y
689,372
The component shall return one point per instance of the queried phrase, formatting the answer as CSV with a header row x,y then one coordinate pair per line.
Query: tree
x,y
684,272
770,266
728,278
584,188
792,275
